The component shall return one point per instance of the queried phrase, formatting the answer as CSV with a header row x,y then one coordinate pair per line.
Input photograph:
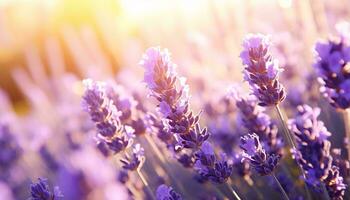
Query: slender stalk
x,y
133,190
143,179
128,184
280,186
155,148
346,114
145,183
163,162
290,139
232,191
285,129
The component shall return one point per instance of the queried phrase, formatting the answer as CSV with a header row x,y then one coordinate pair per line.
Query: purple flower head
x,y
342,163
106,117
163,131
313,148
332,64
121,140
187,160
157,64
136,160
170,90
253,152
124,103
103,148
42,191
334,184
262,70
252,117
172,93
211,168
100,108
167,193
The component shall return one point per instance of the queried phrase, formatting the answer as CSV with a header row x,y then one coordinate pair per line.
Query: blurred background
x,y
92,36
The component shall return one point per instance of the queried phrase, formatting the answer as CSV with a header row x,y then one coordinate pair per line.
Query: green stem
x,y
280,186
285,129
163,162
143,179
346,114
232,191
291,142
145,183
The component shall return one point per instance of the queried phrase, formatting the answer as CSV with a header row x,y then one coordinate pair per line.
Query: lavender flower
x,y
313,151
342,163
171,91
124,103
262,70
106,117
167,193
209,167
334,184
42,191
333,65
121,142
253,118
313,148
163,131
103,148
187,159
136,160
262,163
101,109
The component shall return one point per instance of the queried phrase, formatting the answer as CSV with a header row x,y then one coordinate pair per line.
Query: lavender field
x,y
174,100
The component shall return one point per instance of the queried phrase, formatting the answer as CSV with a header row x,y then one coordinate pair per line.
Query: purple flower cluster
x,y
167,193
106,116
334,184
136,159
253,118
221,114
211,168
100,108
262,70
313,148
115,136
259,160
333,66
313,151
42,191
342,163
172,93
